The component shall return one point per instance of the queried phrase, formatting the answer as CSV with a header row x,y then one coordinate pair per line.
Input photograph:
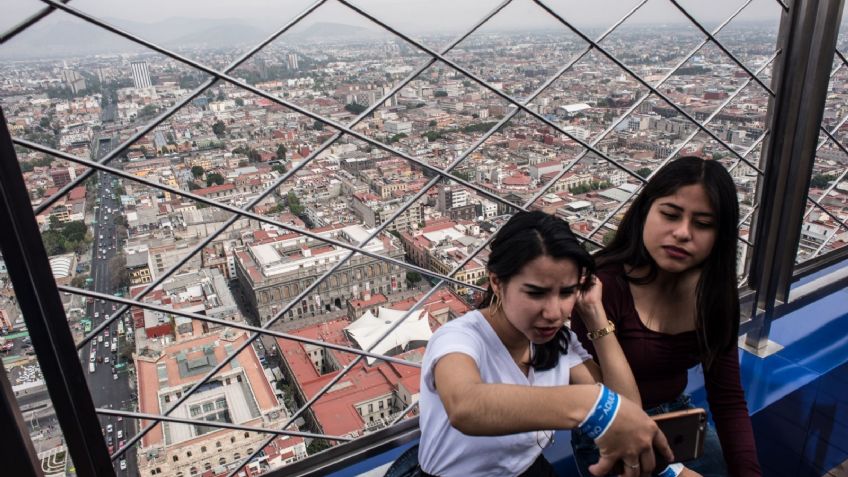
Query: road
x,y
110,381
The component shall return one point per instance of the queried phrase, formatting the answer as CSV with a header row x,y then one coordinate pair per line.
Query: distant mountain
x,y
220,36
335,31
64,37
181,31
67,38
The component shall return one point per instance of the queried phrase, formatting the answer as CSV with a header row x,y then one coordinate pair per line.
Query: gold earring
x,y
496,303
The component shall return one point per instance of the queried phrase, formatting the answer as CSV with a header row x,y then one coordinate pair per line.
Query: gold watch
x,y
593,335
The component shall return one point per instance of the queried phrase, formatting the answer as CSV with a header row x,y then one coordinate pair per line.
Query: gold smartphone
x,y
684,430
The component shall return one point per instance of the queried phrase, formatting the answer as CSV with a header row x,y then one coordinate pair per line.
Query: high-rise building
x,y
141,75
74,81
291,59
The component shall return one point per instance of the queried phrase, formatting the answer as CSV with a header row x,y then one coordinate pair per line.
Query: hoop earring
x,y
496,303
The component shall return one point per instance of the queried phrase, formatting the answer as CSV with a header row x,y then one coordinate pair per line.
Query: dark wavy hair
x,y
717,315
525,237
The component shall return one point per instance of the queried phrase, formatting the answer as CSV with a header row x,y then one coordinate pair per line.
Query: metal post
x,y
800,80
36,292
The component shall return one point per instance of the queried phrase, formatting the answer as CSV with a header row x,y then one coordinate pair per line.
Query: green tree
x,y
219,128
79,280
125,352
148,111
294,203
55,223
579,189
396,137
355,107
821,181
479,127
197,171
119,276
432,135
279,168
54,244
317,445
643,172
239,102
28,166
462,175
281,152
214,178
318,125
75,231
188,82
413,277
441,94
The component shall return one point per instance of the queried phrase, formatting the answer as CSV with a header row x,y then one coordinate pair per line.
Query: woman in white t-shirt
x,y
498,381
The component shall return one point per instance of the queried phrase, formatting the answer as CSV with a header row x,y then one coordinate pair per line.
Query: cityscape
x,y
248,208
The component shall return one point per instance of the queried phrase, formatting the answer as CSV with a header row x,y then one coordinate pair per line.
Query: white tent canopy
x,y
370,326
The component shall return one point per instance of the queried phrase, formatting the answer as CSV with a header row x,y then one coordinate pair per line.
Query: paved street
x,y
109,380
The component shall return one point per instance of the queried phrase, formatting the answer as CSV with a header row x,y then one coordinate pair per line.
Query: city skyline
x,y
180,26
379,194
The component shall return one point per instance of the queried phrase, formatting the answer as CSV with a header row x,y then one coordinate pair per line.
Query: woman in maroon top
x,y
669,278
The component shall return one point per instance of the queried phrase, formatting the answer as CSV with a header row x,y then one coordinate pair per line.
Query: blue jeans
x,y
710,464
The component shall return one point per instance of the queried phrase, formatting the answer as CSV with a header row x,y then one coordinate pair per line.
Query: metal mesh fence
x,y
495,163
824,229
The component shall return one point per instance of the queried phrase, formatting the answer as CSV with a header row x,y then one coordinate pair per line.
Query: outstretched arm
x,y
478,408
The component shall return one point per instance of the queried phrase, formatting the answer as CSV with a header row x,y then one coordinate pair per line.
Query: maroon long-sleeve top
x,y
660,364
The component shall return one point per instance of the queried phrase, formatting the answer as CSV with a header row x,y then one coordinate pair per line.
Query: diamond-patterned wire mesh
x,y
825,226
424,133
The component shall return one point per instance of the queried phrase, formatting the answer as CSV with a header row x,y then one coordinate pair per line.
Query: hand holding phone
x,y
685,431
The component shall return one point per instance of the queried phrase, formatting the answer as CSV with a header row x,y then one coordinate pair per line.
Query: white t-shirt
x,y
447,452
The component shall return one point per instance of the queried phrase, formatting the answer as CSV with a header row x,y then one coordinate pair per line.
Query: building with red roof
x,y
239,393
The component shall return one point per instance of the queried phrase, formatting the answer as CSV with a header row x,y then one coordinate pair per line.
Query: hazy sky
x,y
408,15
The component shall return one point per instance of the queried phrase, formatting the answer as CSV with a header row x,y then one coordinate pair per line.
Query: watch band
x,y
593,335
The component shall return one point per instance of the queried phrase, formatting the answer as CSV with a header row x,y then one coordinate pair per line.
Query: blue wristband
x,y
602,415
673,470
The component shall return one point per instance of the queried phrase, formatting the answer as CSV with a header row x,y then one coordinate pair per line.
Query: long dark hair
x,y
525,237
717,315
